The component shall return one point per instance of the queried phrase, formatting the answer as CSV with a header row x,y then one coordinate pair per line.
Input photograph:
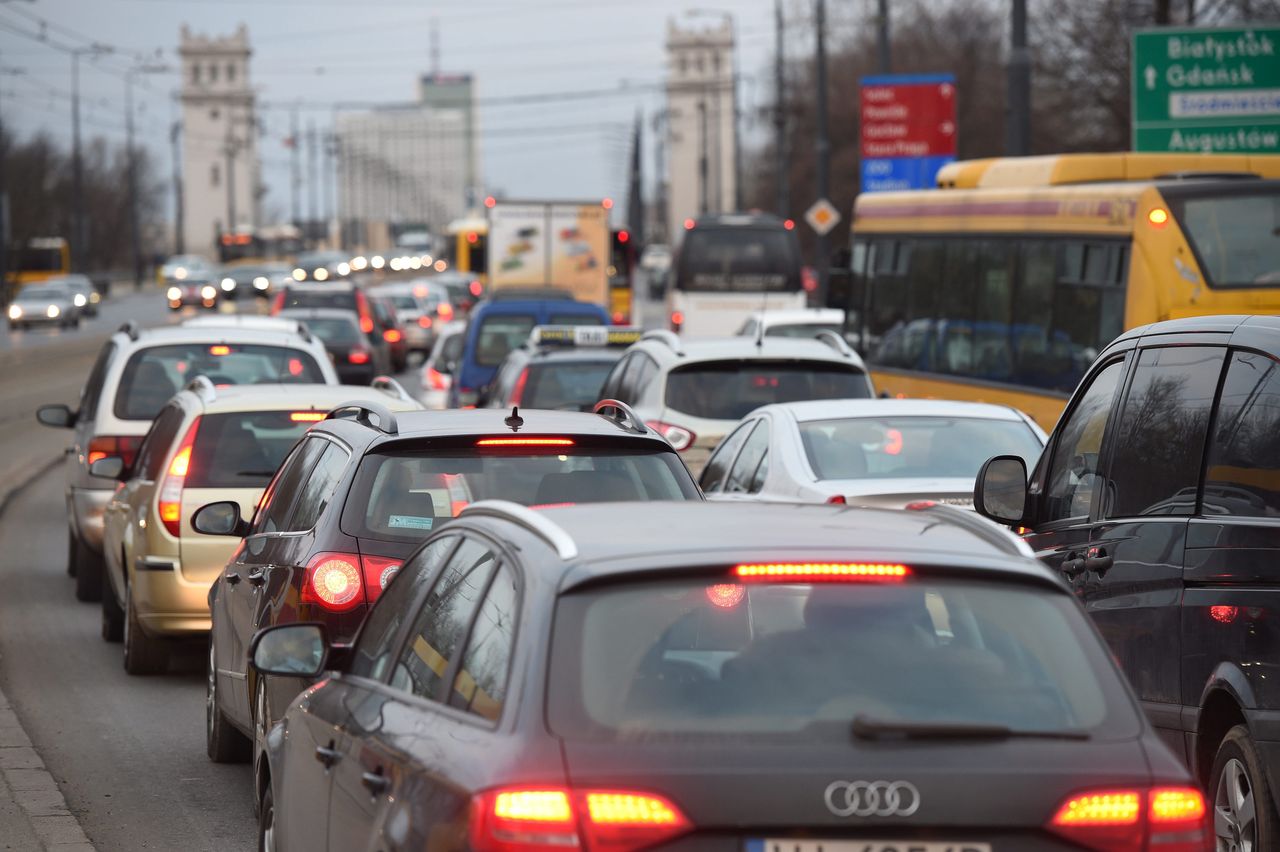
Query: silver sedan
x,y
47,304
880,452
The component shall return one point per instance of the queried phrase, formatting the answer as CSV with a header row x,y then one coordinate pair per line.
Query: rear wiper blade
x,y
255,473
869,728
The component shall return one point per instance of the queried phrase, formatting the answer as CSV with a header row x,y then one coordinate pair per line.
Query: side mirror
x,y
111,467
56,416
221,518
290,650
1000,492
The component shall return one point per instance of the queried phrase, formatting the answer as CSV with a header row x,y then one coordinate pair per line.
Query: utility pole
x,y
295,175
884,56
230,152
326,181
822,145
312,200
179,220
79,232
780,113
703,188
131,158
6,294
1017,134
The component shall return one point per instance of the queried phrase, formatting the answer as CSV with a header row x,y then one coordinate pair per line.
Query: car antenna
x,y
764,309
515,421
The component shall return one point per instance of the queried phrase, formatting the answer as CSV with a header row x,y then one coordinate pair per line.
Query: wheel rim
x,y
210,692
260,719
269,829
128,619
1234,812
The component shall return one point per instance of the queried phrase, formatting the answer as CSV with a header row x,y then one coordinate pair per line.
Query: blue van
x,y
503,322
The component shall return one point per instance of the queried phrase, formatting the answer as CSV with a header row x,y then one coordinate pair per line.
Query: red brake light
x,y
277,304
220,350
445,311
358,356
424,321
378,571
607,204
392,335
624,237
476,288
688,224
436,380
333,581
507,820
893,442
490,202
837,500
518,391
726,595
678,437
524,442
1164,819
677,320
307,416
819,572
124,446
362,308
473,238
169,500
295,367
790,224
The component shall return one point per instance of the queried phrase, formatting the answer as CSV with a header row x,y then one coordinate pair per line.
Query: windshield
x,y
334,330
568,384
741,260
242,449
1236,237
154,374
499,334
730,390
406,494
803,330
699,659
344,299
907,447
404,302
44,293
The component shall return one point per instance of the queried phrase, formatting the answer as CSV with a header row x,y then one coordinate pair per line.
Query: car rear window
x,y
689,659
242,449
730,390
570,385
332,330
742,260
295,298
499,334
404,495
804,330
153,375
906,447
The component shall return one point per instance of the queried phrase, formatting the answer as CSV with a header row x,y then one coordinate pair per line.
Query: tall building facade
x,y
702,146
220,168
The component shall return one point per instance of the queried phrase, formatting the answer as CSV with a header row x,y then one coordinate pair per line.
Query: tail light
x,y
476,288
124,446
818,572
517,393
424,321
677,320
358,356
277,303
527,819
809,279
366,316
1164,819
445,311
378,571
436,380
525,442
837,500
677,436
169,500
392,335
334,582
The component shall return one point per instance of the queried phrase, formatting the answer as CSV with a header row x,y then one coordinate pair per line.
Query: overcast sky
x,y
323,51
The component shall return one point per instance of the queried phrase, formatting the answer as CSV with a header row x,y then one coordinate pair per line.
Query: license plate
x,y
774,845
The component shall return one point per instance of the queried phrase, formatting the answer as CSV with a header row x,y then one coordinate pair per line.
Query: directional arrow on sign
x,y
1150,74
822,216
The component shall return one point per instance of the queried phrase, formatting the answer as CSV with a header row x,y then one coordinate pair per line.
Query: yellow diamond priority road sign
x,y
822,216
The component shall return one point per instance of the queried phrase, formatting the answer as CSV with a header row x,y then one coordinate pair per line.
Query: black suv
x,y
363,489
1158,499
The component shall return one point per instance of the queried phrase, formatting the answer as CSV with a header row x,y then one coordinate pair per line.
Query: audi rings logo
x,y
872,798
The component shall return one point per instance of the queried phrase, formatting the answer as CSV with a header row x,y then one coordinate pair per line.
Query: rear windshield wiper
x,y
869,728
258,473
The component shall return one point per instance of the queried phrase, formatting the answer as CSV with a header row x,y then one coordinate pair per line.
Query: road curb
x,y
22,772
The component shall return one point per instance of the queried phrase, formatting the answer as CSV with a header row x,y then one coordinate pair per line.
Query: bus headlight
x,y
174,294
15,312
52,311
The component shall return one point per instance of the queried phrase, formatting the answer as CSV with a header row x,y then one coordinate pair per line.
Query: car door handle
x,y
256,577
1098,561
375,782
328,755
1073,565
231,577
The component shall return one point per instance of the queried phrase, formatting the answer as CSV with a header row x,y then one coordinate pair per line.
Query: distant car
x,y
342,294
560,367
206,444
357,359
416,306
464,290
253,279
194,290
869,452
135,374
84,294
441,365
182,267
797,323
321,266
695,392
391,328
44,304
685,676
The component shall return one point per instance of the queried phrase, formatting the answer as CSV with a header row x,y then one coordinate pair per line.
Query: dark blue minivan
x,y
503,322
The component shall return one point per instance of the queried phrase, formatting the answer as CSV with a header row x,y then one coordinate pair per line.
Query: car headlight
x,y
80,300
15,311
378,261
321,274
174,294
344,268
261,283
299,274
208,291
95,297
180,273
228,284
395,264
52,311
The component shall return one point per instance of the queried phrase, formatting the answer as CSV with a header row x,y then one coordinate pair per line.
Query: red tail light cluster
x,y
338,582
817,572
677,436
277,303
677,321
424,321
124,446
366,315
435,380
1163,819
358,355
525,819
517,393
169,499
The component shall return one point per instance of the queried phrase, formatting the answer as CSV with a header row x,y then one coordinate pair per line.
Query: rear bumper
x,y
87,506
166,602
417,337
356,374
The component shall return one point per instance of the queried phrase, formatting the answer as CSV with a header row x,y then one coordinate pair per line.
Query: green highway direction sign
x,y
1207,90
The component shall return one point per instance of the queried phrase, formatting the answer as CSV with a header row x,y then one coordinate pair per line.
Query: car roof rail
x,y
204,387
304,332
130,328
663,335
835,341
989,531
390,386
625,415
535,522
361,409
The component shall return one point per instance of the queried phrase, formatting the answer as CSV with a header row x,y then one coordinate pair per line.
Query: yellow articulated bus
x,y
468,246
41,259
1004,284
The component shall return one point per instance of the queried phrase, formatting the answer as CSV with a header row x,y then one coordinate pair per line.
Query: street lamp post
x,y
131,160
78,238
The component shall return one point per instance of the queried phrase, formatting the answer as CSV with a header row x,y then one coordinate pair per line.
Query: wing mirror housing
x,y
221,518
111,467
56,416
290,650
1000,492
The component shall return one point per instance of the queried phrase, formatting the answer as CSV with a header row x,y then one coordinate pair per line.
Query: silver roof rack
x,y
663,335
835,341
362,409
536,523
203,386
989,531
390,386
626,416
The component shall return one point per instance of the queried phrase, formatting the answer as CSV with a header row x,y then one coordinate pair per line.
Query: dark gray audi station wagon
x,y
746,678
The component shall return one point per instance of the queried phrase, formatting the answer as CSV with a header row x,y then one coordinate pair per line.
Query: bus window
x,y
1234,237
741,260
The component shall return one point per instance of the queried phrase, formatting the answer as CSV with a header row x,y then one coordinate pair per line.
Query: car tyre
x,y
143,655
1244,816
267,821
71,552
112,617
223,742
89,571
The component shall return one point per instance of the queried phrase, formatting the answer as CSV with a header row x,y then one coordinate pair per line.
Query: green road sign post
x,y
1207,90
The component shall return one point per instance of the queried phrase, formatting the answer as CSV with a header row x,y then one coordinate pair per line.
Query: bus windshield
x,y
739,260
1236,236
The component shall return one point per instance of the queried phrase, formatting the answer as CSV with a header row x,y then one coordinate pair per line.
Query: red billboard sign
x,y
908,116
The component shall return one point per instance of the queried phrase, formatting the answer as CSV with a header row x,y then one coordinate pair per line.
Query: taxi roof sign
x,y
584,335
